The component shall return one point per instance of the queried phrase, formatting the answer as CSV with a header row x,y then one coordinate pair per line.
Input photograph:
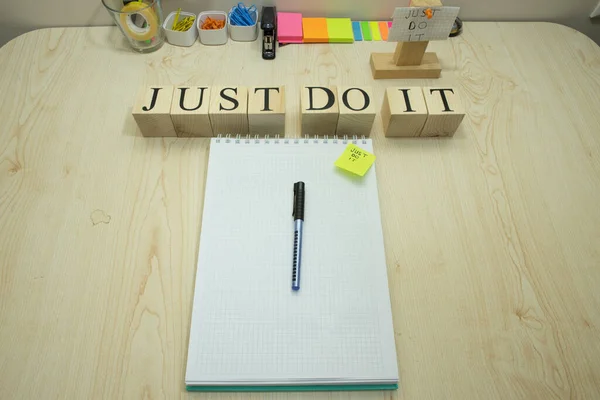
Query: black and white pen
x,y
298,214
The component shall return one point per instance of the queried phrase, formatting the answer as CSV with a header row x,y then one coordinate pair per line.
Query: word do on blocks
x,y
189,111
416,111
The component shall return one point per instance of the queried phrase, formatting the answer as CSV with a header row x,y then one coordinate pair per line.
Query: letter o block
x,y
357,111
320,110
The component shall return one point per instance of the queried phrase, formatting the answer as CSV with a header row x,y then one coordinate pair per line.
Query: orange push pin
x,y
429,13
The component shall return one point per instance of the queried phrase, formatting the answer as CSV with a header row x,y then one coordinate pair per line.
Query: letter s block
x,y
152,111
357,111
189,111
228,110
266,110
320,110
445,110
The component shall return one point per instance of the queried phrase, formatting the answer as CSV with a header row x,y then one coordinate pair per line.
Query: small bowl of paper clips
x,y
243,23
180,29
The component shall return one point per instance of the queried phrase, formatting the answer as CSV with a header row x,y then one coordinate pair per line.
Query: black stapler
x,y
268,23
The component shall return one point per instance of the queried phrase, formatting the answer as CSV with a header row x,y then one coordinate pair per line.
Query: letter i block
x,y
266,110
357,111
320,110
403,112
189,111
229,110
445,110
152,111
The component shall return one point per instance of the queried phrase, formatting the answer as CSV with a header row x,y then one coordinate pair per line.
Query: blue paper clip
x,y
241,15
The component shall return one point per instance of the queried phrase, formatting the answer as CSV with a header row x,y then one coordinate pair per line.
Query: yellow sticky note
x,y
355,160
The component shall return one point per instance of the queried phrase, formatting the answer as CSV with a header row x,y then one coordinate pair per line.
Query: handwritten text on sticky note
x,y
355,160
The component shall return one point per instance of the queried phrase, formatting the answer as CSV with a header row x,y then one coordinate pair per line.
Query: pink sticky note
x,y
389,24
289,27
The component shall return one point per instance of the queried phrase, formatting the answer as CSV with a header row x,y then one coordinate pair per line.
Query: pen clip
x,y
294,204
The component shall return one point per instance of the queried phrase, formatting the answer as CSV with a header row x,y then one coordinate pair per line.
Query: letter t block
x,y
266,110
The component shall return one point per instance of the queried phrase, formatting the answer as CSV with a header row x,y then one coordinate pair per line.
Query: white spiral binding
x,y
247,139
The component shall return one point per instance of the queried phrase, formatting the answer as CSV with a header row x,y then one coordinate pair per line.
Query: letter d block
x,y
357,112
445,109
403,112
266,110
320,110
152,111
228,110
189,111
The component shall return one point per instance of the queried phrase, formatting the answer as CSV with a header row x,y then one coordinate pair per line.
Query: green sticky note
x,y
355,160
340,30
366,30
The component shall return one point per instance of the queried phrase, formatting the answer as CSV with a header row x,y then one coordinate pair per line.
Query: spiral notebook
x,y
249,330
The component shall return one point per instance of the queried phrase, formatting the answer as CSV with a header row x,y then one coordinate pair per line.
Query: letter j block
x,y
320,110
152,111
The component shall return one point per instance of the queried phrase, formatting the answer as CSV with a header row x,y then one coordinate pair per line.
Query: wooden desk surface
x,y
492,237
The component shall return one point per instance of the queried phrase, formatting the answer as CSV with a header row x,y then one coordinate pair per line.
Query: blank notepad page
x,y
248,326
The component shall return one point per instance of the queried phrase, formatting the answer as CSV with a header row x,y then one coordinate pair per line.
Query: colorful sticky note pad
x,y
289,27
355,160
315,30
366,31
375,30
383,28
340,30
356,31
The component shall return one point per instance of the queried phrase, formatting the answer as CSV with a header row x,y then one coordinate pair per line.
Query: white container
x,y
212,37
186,38
244,33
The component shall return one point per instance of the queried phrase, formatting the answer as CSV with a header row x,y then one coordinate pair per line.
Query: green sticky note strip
x,y
355,160
340,30
375,30
364,26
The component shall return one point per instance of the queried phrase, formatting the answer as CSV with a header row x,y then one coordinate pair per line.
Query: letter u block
x,y
319,109
189,111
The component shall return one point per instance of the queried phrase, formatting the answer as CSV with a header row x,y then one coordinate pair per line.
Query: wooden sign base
x,y
384,67
410,61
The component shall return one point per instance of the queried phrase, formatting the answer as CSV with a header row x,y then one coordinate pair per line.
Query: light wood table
x,y
492,237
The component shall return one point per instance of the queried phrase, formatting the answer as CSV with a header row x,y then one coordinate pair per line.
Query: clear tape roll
x,y
144,11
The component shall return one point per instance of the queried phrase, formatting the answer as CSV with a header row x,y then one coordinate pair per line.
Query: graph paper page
x,y
248,326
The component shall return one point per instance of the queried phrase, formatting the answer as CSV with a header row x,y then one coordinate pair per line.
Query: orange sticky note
x,y
315,30
383,28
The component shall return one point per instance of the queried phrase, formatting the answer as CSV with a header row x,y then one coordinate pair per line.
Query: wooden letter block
x,y
152,110
357,111
403,111
189,111
320,110
266,110
445,110
229,110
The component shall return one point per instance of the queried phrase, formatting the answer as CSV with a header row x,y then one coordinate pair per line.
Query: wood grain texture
x,y
492,237
410,53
